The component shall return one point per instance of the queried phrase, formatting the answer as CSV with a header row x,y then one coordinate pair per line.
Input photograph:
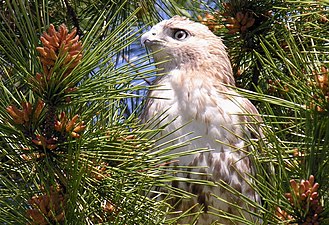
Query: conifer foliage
x,y
41,125
279,49
71,154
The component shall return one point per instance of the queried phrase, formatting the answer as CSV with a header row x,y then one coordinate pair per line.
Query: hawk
x,y
196,94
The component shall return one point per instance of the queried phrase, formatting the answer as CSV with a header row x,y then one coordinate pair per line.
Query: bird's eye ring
x,y
180,35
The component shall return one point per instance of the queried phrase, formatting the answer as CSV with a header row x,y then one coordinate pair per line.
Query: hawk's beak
x,y
145,39
150,38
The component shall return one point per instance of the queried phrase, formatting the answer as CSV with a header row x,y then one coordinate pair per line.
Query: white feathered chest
x,y
201,110
199,106
218,122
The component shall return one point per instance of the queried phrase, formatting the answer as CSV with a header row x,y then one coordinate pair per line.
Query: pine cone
x,y
304,197
283,215
322,82
50,143
240,23
47,207
61,51
69,126
322,79
62,47
210,21
27,113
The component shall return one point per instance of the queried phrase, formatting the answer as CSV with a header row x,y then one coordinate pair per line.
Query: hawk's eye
x,y
180,35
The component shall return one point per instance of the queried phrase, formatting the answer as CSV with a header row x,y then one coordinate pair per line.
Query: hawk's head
x,y
187,45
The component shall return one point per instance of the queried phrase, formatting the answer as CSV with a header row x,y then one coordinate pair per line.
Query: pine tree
x,y
279,55
73,150
70,152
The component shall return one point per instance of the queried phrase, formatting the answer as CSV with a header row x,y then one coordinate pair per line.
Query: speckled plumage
x,y
195,94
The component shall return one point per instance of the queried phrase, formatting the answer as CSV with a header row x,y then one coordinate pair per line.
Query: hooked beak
x,y
145,40
150,38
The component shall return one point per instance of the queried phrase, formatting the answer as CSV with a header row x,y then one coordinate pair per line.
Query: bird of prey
x,y
196,93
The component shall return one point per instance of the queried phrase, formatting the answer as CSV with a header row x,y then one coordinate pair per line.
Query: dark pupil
x,y
180,34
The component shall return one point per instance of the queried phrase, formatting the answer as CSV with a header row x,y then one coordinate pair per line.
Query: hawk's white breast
x,y
197,106
200,105
193,94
